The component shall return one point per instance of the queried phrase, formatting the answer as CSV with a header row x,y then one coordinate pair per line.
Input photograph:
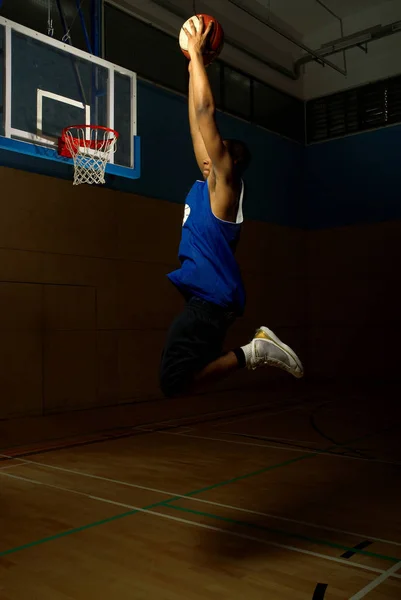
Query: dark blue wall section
x,y
273,181
168,166
354,180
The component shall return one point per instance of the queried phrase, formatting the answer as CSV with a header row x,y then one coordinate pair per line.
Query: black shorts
x,y
195,339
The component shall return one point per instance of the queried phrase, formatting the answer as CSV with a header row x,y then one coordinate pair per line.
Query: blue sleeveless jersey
x,y
209,269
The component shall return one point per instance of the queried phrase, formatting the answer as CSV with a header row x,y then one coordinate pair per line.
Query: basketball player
x,y
209,277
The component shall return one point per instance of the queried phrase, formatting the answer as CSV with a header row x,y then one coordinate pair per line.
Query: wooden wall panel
x,y
21,381
69,307
353,299
21,306
85,285
70,378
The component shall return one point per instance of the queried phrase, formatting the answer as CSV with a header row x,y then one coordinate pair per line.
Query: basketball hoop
x,y
90,147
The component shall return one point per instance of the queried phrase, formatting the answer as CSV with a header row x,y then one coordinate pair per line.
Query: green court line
x,y
284,533
276,466
57,536
188,495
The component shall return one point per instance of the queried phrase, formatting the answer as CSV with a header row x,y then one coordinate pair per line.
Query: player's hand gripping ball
x,y
203,33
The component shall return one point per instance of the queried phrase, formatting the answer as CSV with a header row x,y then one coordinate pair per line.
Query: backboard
x,y
46,85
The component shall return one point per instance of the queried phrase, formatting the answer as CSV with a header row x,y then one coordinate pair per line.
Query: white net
x,y
91,149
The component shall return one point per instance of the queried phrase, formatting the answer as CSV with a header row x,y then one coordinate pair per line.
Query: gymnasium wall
x,y
353,254
83,288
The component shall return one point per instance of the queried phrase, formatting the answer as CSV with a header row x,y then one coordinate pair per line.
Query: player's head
x,y
239,153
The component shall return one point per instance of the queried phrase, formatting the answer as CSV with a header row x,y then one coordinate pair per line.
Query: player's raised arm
x,y
203,101
201,154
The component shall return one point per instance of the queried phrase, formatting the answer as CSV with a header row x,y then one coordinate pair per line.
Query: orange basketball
x,y
215,41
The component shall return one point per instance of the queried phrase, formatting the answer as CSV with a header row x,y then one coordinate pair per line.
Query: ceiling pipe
x,y
289,37
333,14
354,40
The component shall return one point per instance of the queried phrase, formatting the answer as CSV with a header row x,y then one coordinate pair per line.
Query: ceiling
x,y
307,16
302,19
350,7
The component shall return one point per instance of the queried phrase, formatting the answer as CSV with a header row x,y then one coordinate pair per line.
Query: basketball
x,y
215,40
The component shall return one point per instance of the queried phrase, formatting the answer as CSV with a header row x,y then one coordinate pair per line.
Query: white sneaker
x,y
267,349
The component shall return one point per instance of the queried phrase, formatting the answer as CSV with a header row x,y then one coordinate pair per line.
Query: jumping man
x,y
209,277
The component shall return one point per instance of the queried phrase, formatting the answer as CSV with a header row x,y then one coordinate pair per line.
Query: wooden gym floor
x,y
294,499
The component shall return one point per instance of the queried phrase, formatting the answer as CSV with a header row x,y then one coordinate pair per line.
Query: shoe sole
x,y
287,349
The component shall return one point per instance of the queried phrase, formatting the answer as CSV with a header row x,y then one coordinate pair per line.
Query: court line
x,y
217,415
284,463
285,533
195,492
320,591
220,484
376,582
147,509
140,428
216,439
298,406
263,469
20,464
210,502
213,516
360,546
273,439
107,434
152,428
284,442
289,448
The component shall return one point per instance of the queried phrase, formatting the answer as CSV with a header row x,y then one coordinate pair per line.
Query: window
x,y
367,107
278,111
393,100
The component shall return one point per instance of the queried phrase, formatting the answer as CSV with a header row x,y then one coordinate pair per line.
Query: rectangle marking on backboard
x,y
43,94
